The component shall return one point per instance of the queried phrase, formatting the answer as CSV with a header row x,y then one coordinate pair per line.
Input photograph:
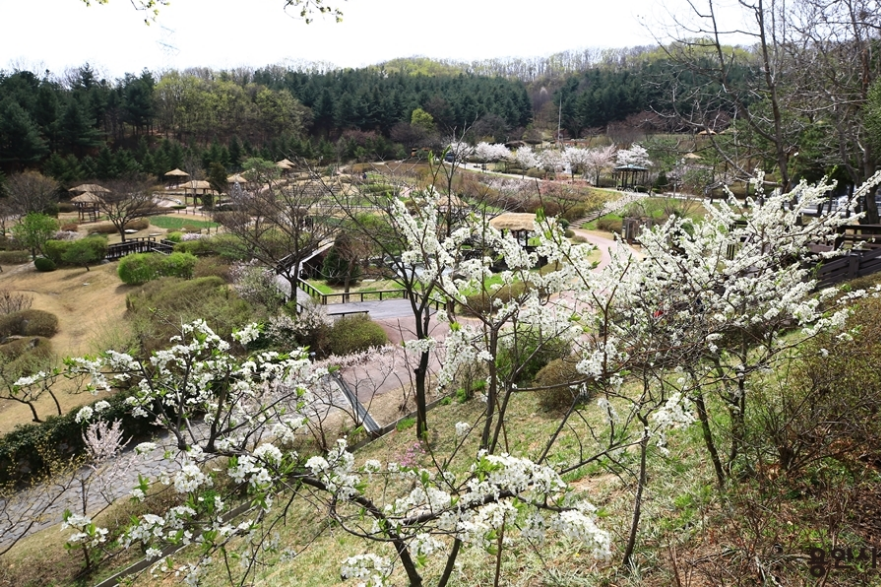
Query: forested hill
x,y
75,124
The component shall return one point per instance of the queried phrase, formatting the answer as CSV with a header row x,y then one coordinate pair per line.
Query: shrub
x,y
483,303
14,257
535,173
66,207
102,228
174,237
527,353
109,228
12,302
557,376
222,245
140,268
568,233
26,356
28,452
353,334
578,239
44,264
610,224
159,307
82,252
178,265
137,224
93,247
212,267
70,227
28,323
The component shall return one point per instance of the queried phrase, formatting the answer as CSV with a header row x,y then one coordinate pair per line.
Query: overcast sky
x,y
56,34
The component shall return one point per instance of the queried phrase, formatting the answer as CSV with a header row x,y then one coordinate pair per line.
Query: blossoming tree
x,y
709,304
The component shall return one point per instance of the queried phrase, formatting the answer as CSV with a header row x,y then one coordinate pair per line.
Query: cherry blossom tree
x,y
636,155
599,160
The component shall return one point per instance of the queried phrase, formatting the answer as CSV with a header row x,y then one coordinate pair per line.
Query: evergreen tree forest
x,y
78,125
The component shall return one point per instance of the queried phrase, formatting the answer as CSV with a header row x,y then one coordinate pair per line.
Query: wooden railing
x,y
359,296
145,244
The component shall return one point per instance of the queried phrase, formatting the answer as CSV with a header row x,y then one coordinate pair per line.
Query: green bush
x,y
527,352
44,264
14,257
140,268
354,334
568,233
222,245
483,303
66,207
610,224
174,237
535,173
96,247
85,251
28,323
179,265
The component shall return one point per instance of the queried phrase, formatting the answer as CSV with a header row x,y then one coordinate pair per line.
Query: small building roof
x,y
513,221
89,187
86,198
177,173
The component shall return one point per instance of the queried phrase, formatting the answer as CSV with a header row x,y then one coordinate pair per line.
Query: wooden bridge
x,y
147,244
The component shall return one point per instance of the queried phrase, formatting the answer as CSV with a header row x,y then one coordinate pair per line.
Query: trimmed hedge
x,y
28,323
14,257
140,268
44,264
110,228
354,334
56,250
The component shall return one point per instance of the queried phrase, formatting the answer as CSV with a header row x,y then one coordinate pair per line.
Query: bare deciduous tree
x,y
30,191
128,199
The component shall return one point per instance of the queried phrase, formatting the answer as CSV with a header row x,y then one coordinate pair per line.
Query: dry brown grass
x,y
89,306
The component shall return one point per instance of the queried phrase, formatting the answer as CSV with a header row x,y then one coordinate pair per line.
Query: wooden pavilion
x,y
87,204
521,225
630,176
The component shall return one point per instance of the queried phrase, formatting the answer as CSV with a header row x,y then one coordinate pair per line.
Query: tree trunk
x,y
710,443
637,506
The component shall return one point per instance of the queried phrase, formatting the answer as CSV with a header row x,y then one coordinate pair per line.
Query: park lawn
x,y
176,222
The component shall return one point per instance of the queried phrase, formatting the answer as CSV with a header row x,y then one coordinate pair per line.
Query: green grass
x,y
175,223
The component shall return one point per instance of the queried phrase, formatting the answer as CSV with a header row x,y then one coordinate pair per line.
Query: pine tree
x,y
20,141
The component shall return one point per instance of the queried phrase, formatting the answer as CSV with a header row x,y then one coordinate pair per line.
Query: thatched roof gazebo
x,y
520,224
236,178
285,165
177,173
87,203
89,187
